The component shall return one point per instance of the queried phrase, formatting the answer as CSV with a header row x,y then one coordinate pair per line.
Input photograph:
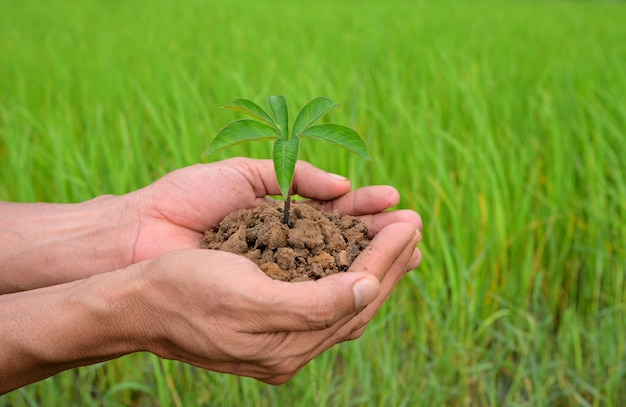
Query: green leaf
x,y
278,104
312,111
250,108
240,131
285,156
340,135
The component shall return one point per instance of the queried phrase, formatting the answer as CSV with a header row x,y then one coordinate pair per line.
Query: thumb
x,y
314,183
317,305
365,291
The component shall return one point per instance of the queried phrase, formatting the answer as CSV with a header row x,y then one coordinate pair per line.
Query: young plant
x,y
275,126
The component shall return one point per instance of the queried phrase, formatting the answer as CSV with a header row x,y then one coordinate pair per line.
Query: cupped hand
x,y
173,212
218,311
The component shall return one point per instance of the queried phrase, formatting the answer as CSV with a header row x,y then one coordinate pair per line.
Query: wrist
x,y
68,325
44,244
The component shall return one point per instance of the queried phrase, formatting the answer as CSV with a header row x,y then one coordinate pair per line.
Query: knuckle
x,y
277,380
322,315
287,368
355,335
280,370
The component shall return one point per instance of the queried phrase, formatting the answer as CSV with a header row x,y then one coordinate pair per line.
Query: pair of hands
x,y
218,311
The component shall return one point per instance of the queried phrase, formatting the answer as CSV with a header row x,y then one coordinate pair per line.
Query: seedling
x,y
286,146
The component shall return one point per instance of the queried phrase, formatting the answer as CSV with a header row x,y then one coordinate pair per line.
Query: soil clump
x,y
316,245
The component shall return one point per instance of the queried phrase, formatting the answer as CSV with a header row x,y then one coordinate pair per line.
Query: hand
x,y
218,311
173,212
209,308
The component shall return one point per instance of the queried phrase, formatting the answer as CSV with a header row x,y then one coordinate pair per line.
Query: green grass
x,y
502,122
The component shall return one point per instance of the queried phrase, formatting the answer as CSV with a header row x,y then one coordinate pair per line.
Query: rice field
x,y
503,123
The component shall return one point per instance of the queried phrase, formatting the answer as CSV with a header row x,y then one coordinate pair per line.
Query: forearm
x,y
48,330
42,244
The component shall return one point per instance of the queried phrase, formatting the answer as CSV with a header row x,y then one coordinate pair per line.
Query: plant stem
x,y
286,212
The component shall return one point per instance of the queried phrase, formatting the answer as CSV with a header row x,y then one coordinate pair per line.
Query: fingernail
x,y
338,177
365,291
415,260
418,236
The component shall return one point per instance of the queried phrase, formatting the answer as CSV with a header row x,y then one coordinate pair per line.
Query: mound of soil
x,y
318,243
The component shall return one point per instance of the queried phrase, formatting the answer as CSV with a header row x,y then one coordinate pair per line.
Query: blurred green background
x,y
501,122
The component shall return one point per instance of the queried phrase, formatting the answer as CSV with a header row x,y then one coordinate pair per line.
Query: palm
x,y
184,203
178,208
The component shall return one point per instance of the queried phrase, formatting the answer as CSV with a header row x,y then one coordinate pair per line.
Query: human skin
x,y
90,282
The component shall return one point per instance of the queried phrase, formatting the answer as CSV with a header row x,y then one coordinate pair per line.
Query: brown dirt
x,y
318,243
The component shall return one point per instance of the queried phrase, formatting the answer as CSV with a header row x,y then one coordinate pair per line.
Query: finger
x,y
388,257
416,259
396,255
328,192
377,222
396,272
315,305
327,300
396,268
311,182
385,248
403,263
367,200
368,203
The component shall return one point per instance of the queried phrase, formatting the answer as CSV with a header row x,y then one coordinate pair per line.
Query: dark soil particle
x,y
318,244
